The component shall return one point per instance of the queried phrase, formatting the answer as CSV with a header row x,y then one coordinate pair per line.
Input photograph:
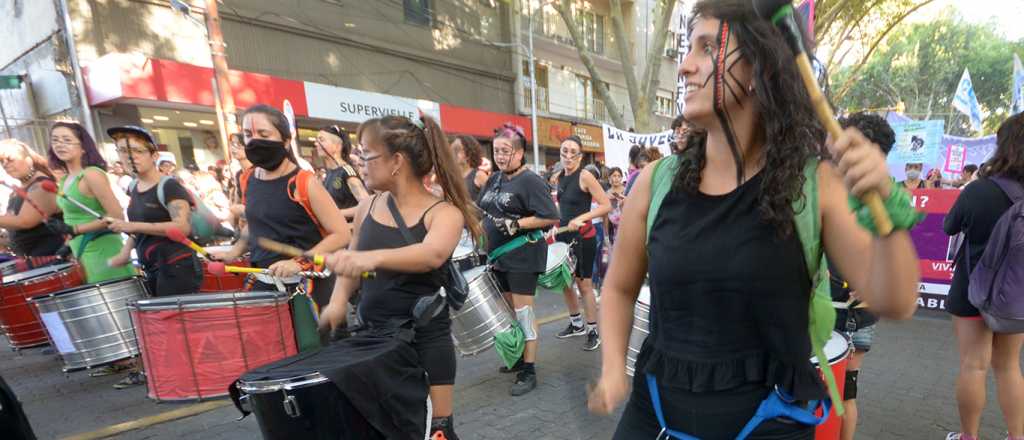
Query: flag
x,y
806,10
965,101
1017,105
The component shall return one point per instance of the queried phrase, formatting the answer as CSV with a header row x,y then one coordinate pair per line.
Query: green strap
x,y
529,237
661,183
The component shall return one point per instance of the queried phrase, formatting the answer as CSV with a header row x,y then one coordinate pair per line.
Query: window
x,y
591,31
540,72
664,106
584,96
671,45
417,12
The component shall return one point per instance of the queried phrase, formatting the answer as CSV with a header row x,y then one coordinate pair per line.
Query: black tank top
x,y
38,240
729,297
272,214
572,200
470,179
391,295
336,182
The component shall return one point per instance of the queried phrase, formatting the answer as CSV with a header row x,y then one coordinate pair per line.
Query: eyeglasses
x,y
367,159
64,141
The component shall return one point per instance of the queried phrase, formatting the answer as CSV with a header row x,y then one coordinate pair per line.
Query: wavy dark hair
x,y
427,150
1008,160
90,155
471,148
873,127
791,132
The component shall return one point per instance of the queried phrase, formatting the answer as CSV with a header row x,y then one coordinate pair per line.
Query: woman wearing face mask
x,y
517,207
271,192
399,155
74,152
342,181
576,191
468,155
729,281
29,204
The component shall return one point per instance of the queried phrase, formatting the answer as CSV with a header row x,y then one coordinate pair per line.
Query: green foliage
x,y
920,64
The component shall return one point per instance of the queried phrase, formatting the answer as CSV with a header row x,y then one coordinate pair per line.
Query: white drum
x,y
641,327
559,269
484,314
558,255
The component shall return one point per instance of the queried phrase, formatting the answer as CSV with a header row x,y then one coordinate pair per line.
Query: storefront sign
x,y
552,132
349,105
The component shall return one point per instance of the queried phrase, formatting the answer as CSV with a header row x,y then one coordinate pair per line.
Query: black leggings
x,y
182,275
433,343
707,416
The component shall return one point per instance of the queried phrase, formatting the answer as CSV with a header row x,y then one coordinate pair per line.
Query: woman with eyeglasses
x,y
342,181
73,151
29,204
517,207
576,192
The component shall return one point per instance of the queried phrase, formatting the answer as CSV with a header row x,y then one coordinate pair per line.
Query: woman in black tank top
x,y
469,156
398,155
342,181
729,283
29,204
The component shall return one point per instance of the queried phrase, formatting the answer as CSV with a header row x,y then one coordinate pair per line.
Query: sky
x,y
1008,14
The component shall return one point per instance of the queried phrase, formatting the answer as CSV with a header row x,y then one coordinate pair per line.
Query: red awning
x,y
479,123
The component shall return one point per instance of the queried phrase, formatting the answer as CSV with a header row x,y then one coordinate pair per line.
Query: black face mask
x,y
266,154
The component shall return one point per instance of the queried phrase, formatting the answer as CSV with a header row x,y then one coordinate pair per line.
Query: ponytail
x,y
455,191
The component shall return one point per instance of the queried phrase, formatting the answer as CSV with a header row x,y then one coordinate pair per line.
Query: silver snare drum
x,y
466,255
641,327
96,320
484,315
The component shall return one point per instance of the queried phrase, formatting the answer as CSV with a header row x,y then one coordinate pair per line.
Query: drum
x,y
641,327
466,255
358,388
560,267
17,317
195,346
837,349
93,321
484,314
226,282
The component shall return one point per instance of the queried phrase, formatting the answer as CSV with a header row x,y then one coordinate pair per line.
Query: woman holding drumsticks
x,y
30,203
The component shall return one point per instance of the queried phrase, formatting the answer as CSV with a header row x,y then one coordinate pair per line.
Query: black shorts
x,y
436,350
182,275
584,250
520,283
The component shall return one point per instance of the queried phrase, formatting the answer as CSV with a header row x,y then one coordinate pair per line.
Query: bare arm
x,y
177,208
28,216
590,184
329,216
358,190
444,229
336,311
883,270
97,185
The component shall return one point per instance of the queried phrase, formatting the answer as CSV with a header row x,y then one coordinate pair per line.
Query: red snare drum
x,y
228,282
837,349
17,318
194,346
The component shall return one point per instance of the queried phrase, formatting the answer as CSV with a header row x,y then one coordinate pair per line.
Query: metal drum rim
x,y
202,301
53,270
286,384
134,279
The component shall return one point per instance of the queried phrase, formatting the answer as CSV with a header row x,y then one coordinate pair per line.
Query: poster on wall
x,y
935,249
618,142
916,142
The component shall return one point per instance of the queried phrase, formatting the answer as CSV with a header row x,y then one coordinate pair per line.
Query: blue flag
x,y
1017,105
966,102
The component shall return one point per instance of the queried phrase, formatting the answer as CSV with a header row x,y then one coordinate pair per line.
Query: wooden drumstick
x,y
292,251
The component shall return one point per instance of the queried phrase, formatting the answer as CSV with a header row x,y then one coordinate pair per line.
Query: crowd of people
x,y
751,195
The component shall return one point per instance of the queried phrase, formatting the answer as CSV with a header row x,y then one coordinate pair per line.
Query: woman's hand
x,y
609,392
351,264
119,226
225,256
284,268
861,164
121,259
333,316
575,224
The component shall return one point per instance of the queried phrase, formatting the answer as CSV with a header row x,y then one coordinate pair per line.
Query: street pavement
x,y
905,388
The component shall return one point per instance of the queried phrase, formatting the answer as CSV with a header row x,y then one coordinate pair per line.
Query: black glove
x,y
59,227
507,226
64,252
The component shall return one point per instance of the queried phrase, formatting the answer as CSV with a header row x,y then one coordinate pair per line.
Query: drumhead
x,y
558,252
645,295
34,273
210,300
837,348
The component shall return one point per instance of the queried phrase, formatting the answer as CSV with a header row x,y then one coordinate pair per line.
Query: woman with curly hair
x,y
729,282
469,156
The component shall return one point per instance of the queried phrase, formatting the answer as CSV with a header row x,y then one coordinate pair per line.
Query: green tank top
x,y
91,249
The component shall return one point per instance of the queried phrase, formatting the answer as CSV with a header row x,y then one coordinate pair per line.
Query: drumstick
x,y
175,234
24,196
292,251
51,187
217,268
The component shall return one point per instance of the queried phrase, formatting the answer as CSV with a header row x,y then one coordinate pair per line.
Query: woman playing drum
x,y
728,277
341,181
398,154
30,204
518,206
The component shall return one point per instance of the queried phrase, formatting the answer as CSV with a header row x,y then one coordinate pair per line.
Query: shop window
x,y
664,106
417,12
541,73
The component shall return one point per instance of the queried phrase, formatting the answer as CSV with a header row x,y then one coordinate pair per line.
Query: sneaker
x,y
593,341
515,368
960,436
571,331
133,378
525,382
108,370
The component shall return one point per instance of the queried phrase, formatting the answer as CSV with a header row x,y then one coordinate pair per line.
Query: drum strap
x,y
777,404
530,237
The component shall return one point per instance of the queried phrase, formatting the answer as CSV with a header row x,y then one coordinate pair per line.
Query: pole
x,y
215,37
533,90
3,114
220,126
83,97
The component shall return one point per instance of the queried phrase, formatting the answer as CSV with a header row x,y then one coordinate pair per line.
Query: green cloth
x,y
822,316
514,243
557,280
899,206
92,253
510,344
304,321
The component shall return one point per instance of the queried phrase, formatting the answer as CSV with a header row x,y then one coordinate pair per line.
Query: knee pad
x,y
528,322
850,388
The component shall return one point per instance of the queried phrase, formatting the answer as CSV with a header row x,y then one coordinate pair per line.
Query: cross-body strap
x,y
399,221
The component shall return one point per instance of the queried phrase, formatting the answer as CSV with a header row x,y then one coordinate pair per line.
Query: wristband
x,y
899,206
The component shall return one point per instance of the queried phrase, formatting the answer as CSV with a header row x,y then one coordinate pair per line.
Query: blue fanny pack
x,y
777,404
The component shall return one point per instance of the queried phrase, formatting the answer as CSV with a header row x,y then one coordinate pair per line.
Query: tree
x,y
640,88
922,67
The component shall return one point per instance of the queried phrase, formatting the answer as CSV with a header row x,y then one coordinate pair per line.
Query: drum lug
x,y
245,404
291,407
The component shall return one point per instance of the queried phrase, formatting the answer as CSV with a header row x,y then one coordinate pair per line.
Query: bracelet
x,y
899,206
